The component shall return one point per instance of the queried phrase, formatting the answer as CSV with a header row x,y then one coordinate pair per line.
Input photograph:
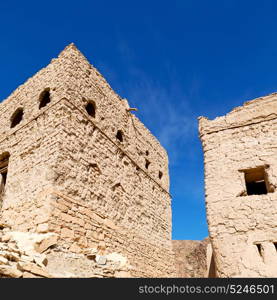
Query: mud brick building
x,y
84,185
240,153
75,162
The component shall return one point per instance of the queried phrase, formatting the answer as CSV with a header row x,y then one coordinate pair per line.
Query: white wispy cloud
x,y
164,108
166,111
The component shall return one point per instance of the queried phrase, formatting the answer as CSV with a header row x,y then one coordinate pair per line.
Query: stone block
x,y
46,243
33,268
5,237
3,260
101,260
67,233
10,271
42,228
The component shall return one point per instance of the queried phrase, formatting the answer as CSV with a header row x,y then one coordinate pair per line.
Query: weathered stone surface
x,y
33,268
30,275
5,237
20,255
78,265
12,256
101,260
4,225
190,258
27,258
9,271
240,151
40,260
46,243
122,274
82,166
3,260
42,228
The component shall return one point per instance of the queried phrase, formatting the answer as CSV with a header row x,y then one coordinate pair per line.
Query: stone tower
x,y
240,155
75,162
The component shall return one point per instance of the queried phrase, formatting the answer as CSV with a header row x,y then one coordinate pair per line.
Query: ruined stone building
x,y
84,186
83,182
240,153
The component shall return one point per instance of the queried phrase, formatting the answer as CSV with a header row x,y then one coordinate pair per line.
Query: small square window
x,y
256,181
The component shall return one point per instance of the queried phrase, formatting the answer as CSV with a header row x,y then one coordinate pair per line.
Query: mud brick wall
x,y
86,84
62,149
242,226
80,228
92,169
28,174
31,145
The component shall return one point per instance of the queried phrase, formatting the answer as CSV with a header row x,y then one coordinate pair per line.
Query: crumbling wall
x,y
33,153
242,227
37,255
32,146
70,174
111,114
94,169
80,228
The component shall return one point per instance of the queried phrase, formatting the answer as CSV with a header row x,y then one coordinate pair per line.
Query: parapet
x,y
251,112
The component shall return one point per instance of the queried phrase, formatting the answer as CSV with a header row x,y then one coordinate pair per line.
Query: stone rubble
x,y
22,256
16,262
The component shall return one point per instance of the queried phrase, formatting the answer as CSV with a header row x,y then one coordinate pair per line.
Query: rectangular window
x,y
256,181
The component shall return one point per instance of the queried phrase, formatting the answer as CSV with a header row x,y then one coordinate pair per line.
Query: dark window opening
x,y
119,135
44,98
17,117
275,244
212,268
4,161
147,163
4,177
259,248
256,188
256,181
90,108
160,175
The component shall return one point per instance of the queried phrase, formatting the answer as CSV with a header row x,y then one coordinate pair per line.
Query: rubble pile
x,y
21,254
37,255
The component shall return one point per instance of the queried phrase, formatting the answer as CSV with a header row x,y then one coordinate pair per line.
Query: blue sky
x,y
173,60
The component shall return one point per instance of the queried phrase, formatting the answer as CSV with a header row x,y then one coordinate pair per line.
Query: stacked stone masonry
x,y
241,211
82,166
84,188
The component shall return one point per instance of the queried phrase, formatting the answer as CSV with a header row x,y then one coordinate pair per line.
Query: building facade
x,y
76,162
240,151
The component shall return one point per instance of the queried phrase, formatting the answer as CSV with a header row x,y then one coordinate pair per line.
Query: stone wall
x,y
70,173
33,154
95,169
80,228
242,226
111,114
